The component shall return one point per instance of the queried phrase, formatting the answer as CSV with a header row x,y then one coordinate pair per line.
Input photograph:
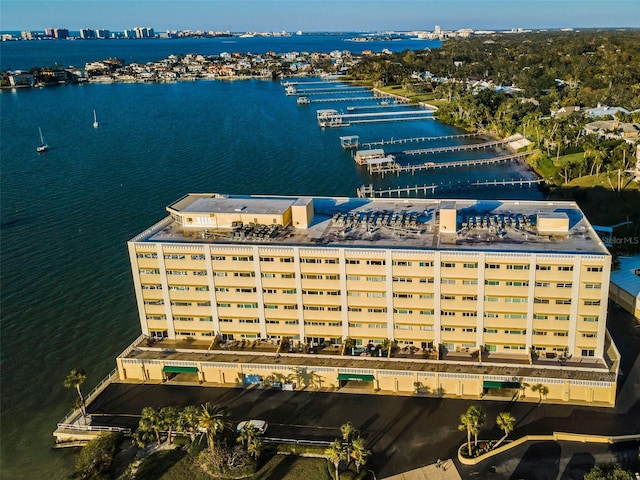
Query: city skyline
x,y
318,15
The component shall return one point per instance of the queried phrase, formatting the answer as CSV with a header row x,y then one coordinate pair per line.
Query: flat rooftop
x,y
481,225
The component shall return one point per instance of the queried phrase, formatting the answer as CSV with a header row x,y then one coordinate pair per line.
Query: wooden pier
x,y
327,91
339,99
399,141
367,191
454,148
384,168
333,118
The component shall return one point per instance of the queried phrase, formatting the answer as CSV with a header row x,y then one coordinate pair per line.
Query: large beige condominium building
x,y
504,282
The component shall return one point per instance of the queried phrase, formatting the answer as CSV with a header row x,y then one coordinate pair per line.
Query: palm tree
x,y
254,447
247,434
75,378
505,422
348,432
169,419
212,420
188,420
541,389
348,343
359,452
335,453
471,421
149,427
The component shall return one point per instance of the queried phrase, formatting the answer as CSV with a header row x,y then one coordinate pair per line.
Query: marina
x,y
331,117
456,148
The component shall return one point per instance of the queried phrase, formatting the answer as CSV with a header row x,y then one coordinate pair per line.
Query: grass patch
x,y
291,467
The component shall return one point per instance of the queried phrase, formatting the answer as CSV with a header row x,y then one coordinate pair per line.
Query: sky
x,y
317,15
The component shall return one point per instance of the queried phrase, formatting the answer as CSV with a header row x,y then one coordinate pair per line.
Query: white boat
x,y
43,147
95,120
303,100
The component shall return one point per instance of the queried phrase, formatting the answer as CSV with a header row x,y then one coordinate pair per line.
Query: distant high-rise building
x,y
144,32
437,30
102,33
61,33
87,33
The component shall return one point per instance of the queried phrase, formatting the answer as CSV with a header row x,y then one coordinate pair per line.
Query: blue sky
x,y
317,15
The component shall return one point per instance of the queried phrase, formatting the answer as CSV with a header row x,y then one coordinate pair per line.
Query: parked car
x,y
259,425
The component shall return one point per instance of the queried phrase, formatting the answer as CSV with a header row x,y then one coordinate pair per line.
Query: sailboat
x,y
95,120
43,147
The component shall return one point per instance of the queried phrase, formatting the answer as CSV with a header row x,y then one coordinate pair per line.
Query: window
x,y
249,320
219,258
355,325
404,327
316,308
470,314
472,281
544,301
289,291
427,312
537,316
518,267
353,278
310,260
515,332
224,305
177,272
403,279
354,309
402,295
426,296
447,313
543,284
174,256
314,323
447,297
492,266
426,264
469,329
544,268
287,275
247,305
516,300
333,292
204,304
149,271
312,292
226,320
244,274
448,329
291,307
268,275
490,330
376,294
491,299
491,315
273,322
154,302
562,318
330,260
178,288
291,322
376,262
447,265
594,269
202,288
286,260
491,282
377,278
270,306
469,298
220,274
311,276
471,265
589,335
243,258
540,333
447,281
183,319
517,284
426,280
565,268
146,255
590,319
592,303
377,310
402,311
198,257
588,353
560,334
563,301
350,261
515,316
592,286
565,285
267,259
332,277
200,273
402,263
246,290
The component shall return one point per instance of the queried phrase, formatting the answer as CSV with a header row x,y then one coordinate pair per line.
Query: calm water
x,y
66,291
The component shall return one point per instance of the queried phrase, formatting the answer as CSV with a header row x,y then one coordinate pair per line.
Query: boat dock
x,y
333,118
353,141
367,191
455,148
382,168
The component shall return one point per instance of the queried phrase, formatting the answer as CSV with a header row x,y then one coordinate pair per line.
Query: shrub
x,y
96,457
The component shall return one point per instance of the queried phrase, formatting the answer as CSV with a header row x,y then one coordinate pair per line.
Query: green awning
x,y
355,377
175,369
491,384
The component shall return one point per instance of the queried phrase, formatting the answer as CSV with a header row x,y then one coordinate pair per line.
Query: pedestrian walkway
x,y
445,470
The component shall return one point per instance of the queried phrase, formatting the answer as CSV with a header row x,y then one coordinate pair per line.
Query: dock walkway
x,y
384,168
454,148
367,191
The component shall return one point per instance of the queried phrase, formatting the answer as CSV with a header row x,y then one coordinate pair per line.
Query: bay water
x,y
67,297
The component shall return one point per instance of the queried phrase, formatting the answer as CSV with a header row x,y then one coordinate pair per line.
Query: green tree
x,y
254,447
74,379
348,433
149,427
471,421
188,420
335,453
505,422
359,452
212,421
96,457
170,421
608,471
